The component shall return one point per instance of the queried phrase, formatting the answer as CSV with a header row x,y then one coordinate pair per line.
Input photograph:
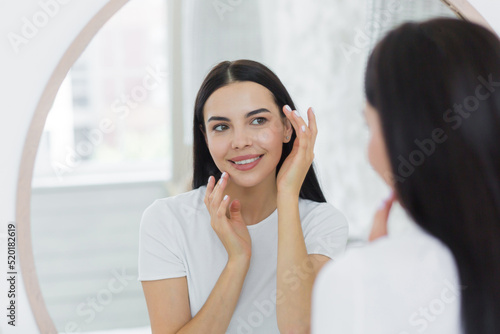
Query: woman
x,y
239,252
433,109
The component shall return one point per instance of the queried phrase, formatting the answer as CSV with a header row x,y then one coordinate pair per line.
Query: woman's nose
x,y
241,139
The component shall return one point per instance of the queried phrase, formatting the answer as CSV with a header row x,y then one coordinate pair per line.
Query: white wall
x,y
24,74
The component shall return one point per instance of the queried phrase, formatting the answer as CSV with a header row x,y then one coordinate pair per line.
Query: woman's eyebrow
x,y
249,114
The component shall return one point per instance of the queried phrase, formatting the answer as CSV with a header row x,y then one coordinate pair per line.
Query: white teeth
x,y
242,162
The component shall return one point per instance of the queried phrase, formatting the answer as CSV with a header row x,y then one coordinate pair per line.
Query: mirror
x,y
97,172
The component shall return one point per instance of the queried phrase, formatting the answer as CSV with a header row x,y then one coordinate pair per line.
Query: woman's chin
x,y
244,181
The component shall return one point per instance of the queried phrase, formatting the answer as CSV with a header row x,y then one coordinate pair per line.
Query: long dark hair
x,y
436,88
221,75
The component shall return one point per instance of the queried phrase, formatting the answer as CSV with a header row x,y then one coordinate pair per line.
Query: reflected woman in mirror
x,y
239,253
433,109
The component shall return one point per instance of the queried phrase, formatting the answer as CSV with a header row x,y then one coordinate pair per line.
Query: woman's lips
x,y
247,166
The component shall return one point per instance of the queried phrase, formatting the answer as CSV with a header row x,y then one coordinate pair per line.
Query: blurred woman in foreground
x,y
433,109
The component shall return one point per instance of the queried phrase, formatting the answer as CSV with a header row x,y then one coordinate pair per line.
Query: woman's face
x,y
377,152
243,122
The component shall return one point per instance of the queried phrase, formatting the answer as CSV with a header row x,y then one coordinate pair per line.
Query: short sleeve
x,y
160,256
337,304
326,231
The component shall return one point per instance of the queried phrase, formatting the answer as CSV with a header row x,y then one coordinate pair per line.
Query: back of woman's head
x,y
221,75
436,87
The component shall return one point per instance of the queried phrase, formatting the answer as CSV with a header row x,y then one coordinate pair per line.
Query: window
x,y
110,119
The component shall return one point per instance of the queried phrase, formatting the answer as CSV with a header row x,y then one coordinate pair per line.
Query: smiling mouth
x,y
244,162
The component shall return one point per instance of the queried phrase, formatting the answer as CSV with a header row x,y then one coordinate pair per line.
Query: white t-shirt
x,y
395,285
176,239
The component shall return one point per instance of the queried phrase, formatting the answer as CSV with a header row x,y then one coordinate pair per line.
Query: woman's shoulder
x,y
409,257
192,198
388,285
180,205
314,211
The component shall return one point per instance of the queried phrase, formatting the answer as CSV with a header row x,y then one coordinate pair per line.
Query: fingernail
x,y
297,113
225,197
303,128
223,174
313,110
287,107
209,178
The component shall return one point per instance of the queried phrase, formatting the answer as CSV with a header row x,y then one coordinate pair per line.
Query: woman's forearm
x,y
294,284
215,315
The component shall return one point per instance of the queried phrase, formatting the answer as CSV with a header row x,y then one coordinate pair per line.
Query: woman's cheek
x,y
263,136
370,152
378,158
374,154
216,148
271,135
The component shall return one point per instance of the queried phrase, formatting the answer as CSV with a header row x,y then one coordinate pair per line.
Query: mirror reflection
x,y
119,133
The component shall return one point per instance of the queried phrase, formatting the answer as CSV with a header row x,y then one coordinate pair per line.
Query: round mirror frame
x,y
462,8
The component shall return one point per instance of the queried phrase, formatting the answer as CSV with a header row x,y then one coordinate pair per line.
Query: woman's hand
x,y
233,231
379,226
294,169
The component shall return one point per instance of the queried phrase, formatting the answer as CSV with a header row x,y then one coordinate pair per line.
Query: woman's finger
x,y
287,110
221,211
301,123
213,192
208,191
301,129
312,124
305,134
217,193
379,227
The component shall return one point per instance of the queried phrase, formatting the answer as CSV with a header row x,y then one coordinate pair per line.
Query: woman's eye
x,y
218,127
261,120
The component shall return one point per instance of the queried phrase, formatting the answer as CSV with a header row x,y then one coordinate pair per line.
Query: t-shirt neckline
x,y
264,221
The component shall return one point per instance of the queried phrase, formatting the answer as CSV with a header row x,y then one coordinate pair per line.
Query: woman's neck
x,y
257,202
